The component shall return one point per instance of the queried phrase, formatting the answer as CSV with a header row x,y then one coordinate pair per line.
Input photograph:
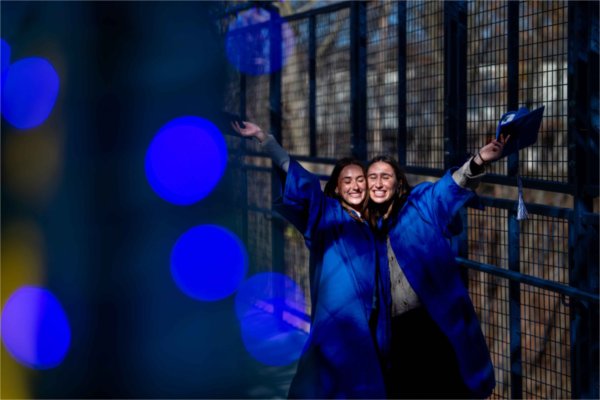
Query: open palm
x,y
249,130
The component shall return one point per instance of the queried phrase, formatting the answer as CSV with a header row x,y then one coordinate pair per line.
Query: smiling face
x,y
382,182
352,186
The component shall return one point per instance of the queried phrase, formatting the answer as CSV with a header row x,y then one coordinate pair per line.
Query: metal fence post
x,y
583,174
455,82
455,101
358,78
312,85
402,132
240,160
514,245
277,242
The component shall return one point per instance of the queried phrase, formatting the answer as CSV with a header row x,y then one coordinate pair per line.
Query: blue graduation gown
x,y
418,235
340,359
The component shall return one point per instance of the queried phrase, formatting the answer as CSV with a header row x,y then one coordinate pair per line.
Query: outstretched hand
x,y
491,151
249,130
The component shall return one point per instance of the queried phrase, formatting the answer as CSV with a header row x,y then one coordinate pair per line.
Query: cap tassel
x,y
521,210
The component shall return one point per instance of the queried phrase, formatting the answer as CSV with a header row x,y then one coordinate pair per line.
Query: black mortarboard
x,y
522,126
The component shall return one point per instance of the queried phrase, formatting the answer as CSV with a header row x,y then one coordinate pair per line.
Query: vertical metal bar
x,y
277,242
312,84
514,293
514,288
455,102
358,77
243,172
583,238
455,82
402,132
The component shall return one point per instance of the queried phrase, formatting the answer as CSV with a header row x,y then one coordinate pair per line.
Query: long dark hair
x,y
377,211
332,183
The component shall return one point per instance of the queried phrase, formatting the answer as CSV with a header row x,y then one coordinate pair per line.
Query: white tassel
x,y
521,210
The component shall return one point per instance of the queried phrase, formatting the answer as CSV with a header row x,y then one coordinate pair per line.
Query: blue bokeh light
x,y
35,328
29,92
248,43
208,262
271,309
186,160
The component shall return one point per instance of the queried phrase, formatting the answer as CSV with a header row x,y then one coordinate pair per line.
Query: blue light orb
x,y
35,329
258,42
271,309
208,262
186,160
29,92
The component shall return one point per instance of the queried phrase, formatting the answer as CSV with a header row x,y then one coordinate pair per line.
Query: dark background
x,y
103,236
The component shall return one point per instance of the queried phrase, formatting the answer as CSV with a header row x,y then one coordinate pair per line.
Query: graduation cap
x,y
522,126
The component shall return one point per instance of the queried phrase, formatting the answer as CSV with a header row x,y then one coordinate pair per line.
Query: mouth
x,y
378,193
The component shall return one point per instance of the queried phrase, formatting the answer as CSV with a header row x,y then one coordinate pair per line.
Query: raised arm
x,y
303,200
267,142
439,202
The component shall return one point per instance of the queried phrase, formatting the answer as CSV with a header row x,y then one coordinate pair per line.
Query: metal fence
x,y
426,82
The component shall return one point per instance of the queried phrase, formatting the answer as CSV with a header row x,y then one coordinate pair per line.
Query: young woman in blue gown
x,y
348,337
438,349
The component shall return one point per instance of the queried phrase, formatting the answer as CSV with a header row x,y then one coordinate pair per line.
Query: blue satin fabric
x,y
418,235
341,357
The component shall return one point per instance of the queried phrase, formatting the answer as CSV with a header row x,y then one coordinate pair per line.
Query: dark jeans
x,y
423,362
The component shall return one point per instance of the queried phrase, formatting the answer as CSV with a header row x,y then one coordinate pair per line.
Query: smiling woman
x,y
432,317
348,333
347,183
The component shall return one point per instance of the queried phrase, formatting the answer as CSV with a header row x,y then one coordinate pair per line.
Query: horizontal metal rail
x,y
530,280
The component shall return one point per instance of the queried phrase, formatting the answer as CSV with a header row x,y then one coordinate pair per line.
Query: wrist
x,y
479,160
261,136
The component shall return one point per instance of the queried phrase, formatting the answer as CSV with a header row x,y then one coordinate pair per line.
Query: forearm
x,y
277,153
469,175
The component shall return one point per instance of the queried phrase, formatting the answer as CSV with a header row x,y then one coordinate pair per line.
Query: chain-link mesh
x,y
545,344
259,242
488,236
543,81
382,79
491,301
425,84
487,74
333,100
295,96
544,248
